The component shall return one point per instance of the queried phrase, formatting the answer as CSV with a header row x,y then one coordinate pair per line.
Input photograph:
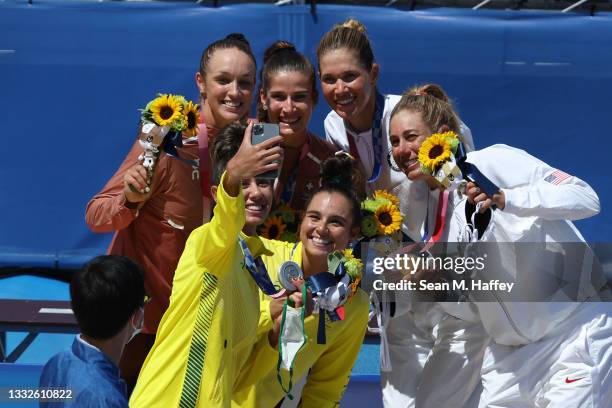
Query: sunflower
x,y
273,228
388,218
384,195
434,151
192,117
352,265
166,109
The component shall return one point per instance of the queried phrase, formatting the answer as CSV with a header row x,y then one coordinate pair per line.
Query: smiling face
x,y
227,87
290,102
258,194
327,226
408,131
348,87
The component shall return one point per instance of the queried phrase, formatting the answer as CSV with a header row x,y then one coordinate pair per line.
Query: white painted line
x,y
52,310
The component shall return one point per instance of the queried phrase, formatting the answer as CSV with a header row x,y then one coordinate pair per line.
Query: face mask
x,y
292,339
292,335
139,323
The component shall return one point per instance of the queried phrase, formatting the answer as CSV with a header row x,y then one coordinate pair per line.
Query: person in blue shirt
x,y
107,298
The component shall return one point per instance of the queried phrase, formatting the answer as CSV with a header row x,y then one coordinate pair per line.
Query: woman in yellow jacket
x,y
209,329
331,221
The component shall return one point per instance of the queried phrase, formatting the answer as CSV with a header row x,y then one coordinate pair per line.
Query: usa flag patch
x,y
556,177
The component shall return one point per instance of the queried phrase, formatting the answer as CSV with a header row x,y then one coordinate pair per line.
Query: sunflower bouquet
x,y
381,215
437,157
282,224
164,120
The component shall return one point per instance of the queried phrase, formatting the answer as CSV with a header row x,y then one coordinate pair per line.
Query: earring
x,y
392,164
265,107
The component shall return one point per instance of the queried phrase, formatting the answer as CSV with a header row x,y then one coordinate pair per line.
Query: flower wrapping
x,y
166,115
437,157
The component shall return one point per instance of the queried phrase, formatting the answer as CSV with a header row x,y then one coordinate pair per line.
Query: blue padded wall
x,y
73,75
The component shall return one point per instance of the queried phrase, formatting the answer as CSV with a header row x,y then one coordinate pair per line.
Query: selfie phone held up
x,y
261,133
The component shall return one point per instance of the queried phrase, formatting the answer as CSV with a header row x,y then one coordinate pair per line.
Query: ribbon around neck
x,y
258,272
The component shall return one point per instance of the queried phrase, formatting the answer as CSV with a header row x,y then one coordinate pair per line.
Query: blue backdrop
x,y
73,75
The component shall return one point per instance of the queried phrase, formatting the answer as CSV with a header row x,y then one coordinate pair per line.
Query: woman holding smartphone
x,y
152,228
332,219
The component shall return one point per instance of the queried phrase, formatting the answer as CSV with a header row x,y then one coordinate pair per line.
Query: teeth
x,y
345,101
254,207
320,241
232,104
289,121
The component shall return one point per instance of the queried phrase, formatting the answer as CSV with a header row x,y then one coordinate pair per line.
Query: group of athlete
x,y
211,332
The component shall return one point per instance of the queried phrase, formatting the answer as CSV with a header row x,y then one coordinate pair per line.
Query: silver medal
x,y
289,271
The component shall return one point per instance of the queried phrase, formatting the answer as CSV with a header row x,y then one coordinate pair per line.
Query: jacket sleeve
x,y
211,241
330,374
106,211
533,188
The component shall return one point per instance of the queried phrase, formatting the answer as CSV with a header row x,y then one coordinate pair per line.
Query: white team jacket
x,y
540,202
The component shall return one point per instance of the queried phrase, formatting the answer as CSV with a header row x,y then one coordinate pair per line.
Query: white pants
x,y
435,358
568,368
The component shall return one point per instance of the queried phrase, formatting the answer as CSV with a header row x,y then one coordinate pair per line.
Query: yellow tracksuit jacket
x,y
209,329
330,364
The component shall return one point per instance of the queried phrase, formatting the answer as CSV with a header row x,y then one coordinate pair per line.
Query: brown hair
x,y
282,56
432,103
234,40
337,176
350,35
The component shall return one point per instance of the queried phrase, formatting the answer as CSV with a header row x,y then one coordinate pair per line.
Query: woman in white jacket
x,y
552,334
359,120
359,124
555,352
435,349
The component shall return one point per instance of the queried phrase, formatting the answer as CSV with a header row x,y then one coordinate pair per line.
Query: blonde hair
x,y
351,34
432,103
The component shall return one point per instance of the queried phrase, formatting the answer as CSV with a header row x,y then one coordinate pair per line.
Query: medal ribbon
x,y
286,193
376,138
259,273
440,220
472,173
